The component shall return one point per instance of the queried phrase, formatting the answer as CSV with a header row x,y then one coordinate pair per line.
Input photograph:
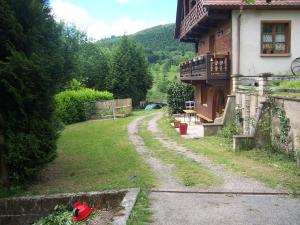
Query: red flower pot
x,y
183,128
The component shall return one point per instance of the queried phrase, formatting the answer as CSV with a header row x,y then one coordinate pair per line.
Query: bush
x,y
177,94
70,104
229,130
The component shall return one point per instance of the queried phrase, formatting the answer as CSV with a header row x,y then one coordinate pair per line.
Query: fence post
x,y
113,109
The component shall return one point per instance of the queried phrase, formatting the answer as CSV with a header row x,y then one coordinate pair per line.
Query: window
x,y
275,37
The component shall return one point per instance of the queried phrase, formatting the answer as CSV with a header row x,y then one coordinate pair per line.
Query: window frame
x,y
288,37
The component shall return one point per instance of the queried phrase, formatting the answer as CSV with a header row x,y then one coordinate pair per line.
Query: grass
x,y
292,84
190,173
141,213
272,169
285,84
94,156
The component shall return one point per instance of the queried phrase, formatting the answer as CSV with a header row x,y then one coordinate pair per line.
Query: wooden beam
x,y
218,15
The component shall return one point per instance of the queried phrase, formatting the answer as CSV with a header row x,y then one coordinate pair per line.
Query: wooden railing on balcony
x,y
197,13
206,67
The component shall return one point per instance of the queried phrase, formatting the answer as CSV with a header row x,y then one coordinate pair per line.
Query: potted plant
x,y
177,123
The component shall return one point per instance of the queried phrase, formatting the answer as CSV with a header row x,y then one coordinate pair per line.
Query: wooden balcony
x,y
207,67
197,13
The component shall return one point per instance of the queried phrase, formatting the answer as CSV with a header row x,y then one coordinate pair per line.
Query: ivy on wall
x,y
280,140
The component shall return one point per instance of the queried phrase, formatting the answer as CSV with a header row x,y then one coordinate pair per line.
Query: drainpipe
x,y
239,41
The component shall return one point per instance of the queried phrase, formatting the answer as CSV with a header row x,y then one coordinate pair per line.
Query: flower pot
x,y
183,128
177,124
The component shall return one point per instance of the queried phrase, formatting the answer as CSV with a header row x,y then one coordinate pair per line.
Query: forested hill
x,y
158,40
164,53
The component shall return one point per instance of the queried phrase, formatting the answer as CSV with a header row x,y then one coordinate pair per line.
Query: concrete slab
x,y
127,203
195,129
213,209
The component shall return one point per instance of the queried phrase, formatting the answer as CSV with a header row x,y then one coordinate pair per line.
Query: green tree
x,y
130,77
93,66
72,40
31,67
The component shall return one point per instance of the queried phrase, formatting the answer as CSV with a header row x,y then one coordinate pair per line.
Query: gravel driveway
x,y
172,203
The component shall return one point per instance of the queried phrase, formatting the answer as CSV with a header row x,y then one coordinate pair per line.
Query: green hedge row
x,y
70,104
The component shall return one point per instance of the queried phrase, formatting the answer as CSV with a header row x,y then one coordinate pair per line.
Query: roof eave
x,y
259,7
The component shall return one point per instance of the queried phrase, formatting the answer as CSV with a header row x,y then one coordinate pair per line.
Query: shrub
x,y
229,130
70,104
177,94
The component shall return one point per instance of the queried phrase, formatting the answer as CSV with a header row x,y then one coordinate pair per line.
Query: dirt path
x,y
174,204
161,170
232,182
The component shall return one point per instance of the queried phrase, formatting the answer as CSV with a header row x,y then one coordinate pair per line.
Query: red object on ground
x,y
183,128
81,211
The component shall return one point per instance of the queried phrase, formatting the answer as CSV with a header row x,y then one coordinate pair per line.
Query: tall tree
x,y
130,77
31,67
93,66
72,40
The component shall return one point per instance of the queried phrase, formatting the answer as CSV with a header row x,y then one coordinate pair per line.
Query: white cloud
x,y
97,29
128,1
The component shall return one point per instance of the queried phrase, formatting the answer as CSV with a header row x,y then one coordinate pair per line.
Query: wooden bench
x,y
204,118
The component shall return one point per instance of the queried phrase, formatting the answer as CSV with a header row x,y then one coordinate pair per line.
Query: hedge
x,y
70,104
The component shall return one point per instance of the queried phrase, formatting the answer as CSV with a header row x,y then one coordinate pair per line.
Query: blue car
x,y
153,106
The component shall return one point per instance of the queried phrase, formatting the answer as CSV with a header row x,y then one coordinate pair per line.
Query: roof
x,y
257,2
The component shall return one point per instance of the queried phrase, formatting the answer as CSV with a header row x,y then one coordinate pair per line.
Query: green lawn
x,y
272,169
292,84
141,213
94,156
189,172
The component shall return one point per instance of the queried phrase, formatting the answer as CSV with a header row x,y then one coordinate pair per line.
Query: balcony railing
x,y
197,13
206,67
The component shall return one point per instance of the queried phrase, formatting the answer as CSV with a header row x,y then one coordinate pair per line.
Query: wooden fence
x,y
113,108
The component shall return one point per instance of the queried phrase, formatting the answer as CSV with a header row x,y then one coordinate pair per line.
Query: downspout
x,y
239,41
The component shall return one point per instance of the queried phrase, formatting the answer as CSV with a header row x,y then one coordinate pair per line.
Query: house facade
x,y
233,38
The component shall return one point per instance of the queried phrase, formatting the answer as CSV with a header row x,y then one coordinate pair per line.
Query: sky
x,y
104,18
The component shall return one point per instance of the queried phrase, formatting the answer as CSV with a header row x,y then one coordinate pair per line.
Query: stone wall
x,y
250,106
26,210
292,109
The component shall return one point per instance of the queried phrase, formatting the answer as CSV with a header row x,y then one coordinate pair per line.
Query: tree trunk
x,y
3,168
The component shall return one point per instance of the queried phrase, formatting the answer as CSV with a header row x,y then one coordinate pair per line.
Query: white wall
x,y
251,61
